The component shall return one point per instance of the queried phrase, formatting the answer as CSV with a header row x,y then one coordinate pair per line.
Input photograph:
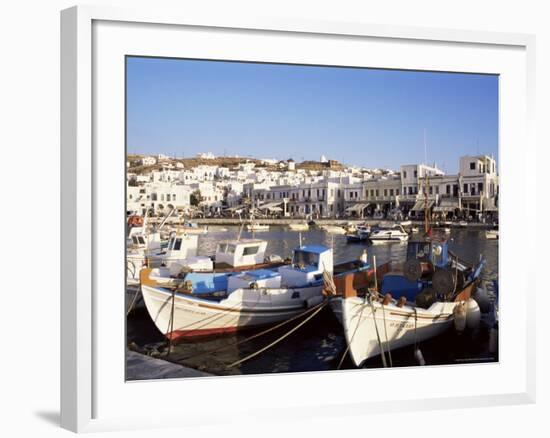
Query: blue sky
x,y
367,117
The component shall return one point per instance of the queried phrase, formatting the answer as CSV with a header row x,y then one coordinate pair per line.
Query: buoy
x,y
473,314
459,313
419,357
482,299
493,340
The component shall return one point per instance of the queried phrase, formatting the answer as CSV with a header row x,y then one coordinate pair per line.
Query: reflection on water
x,y
320,343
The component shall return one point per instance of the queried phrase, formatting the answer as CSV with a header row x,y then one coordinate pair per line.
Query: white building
x,y
148,161
159,198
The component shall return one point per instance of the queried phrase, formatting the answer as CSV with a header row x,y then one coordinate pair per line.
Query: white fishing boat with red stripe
x,y
203,304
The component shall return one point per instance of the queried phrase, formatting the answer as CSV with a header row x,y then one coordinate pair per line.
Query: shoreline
x,y
322,221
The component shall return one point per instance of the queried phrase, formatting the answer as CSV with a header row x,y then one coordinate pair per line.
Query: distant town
x,y
219,186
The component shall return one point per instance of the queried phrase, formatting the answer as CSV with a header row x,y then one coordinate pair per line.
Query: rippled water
x,y
320,343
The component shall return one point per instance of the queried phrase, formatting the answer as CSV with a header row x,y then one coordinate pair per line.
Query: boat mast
x,y
426,188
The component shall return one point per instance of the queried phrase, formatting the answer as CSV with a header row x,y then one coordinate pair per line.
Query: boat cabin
x,y
238,253
148,243
182,245
435,252
308,264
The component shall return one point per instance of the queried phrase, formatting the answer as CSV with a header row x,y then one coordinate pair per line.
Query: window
x,y
465,188
437,190
404,174
305,258
385,192
431,190
250,250
480,187
396,192
410,190
130,196
472,166
377,192
391,192
168,197
415,174
173,197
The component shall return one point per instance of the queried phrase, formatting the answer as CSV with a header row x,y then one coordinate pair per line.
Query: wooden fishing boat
x,y
376,324
491,234
256,226
411,305
201,304
298,227
333,229
360,234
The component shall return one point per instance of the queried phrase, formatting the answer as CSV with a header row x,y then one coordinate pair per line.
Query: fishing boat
x,y
393,234
146,250
201,304
333,229
491,234
192,228
257,227
361,234
303,226
433,292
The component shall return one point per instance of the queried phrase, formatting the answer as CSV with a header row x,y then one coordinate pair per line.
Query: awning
x,y
357,207
489,205
443,209
421,205
270,206
447,205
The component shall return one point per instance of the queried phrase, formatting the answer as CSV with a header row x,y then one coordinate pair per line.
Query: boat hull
x,y
396,326
244,308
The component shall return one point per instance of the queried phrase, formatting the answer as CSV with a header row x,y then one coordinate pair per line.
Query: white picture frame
x,y
91,390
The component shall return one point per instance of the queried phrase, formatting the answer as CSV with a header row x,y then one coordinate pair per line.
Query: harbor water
x,y
319,344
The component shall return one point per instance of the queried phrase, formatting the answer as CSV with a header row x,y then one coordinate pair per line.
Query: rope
x,y
378,335
134,300
250,356
257,335
415,324
171,326
386,332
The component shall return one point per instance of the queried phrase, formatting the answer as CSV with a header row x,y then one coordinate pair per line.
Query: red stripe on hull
x,y
180,335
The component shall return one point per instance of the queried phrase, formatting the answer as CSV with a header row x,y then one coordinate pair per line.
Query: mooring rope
x,y
386,332
257,335
250,356
134,300
378,336
171,326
